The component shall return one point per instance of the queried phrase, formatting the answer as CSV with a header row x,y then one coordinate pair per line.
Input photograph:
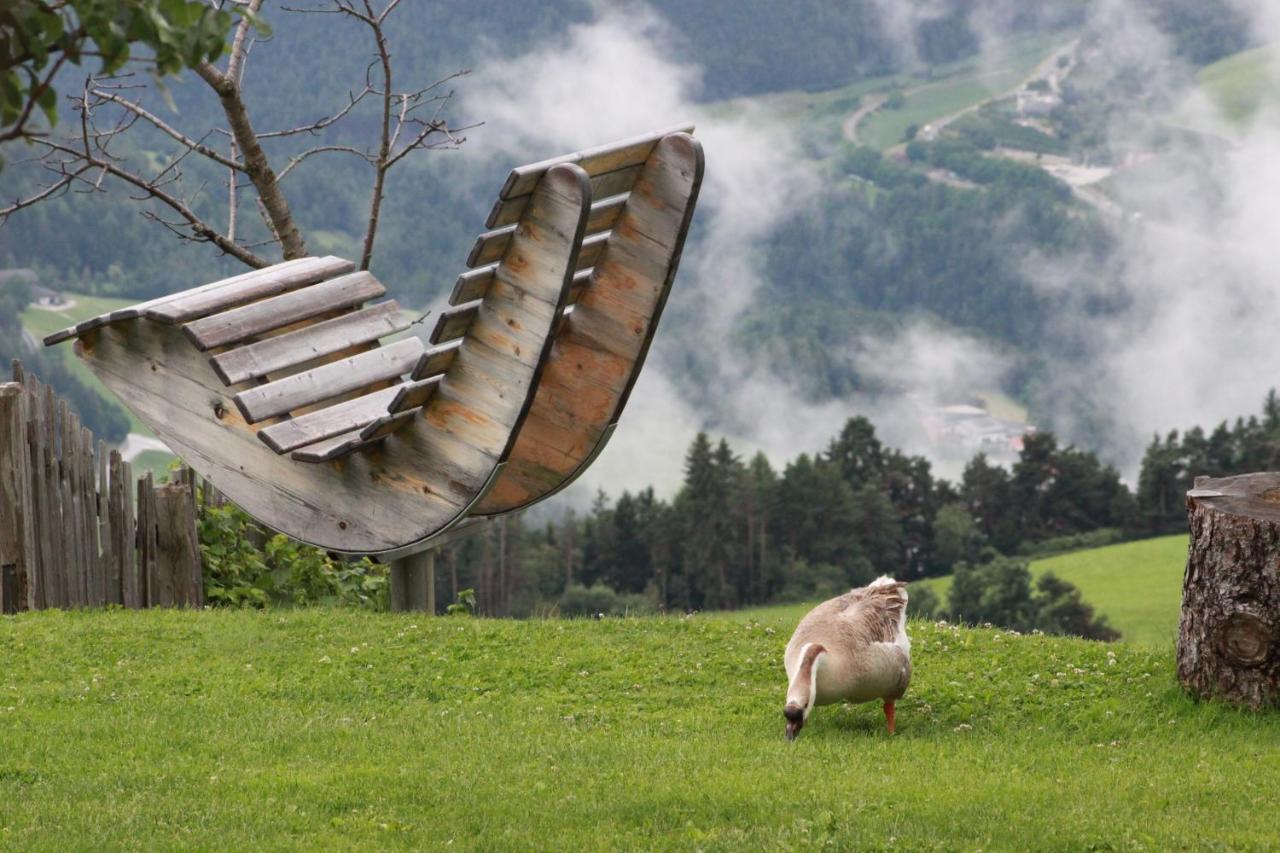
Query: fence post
x,y
16,545
413,582
177,555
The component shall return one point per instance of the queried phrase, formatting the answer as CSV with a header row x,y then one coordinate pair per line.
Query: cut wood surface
x,y
508,211
329,381
600,349
474,284
454,322
414,395
436,360
262,284
594,161
491,245
328,422
240,324
1229,635
310,342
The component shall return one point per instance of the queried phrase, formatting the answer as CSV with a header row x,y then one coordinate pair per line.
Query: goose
x,y
851,648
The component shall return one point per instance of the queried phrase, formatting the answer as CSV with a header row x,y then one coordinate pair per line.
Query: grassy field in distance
x,y
43,321
885,128
328,729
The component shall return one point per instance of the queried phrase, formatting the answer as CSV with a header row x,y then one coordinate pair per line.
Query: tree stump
x,y
1229,636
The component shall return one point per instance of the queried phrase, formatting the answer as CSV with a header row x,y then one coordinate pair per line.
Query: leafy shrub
x,y
579,600
243,567
465,605
923,601
999,592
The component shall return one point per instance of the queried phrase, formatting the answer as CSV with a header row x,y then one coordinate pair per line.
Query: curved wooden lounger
x,y
272,384
635,237
275,387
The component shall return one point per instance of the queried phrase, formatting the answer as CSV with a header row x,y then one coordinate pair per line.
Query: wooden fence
x,y
76,530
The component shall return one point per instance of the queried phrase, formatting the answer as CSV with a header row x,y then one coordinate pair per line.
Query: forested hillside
x,y
940,228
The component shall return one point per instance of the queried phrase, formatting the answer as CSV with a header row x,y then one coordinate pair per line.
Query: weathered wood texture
x,y
413,582
67,530
328,381
217,295
248,321
417,481
309,343
600,348
1229,635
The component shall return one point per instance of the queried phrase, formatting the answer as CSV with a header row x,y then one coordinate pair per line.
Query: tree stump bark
x,y
1229,636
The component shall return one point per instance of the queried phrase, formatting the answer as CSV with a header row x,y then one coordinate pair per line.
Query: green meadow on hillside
x,y
885,127
1138,585
1242,83
343,729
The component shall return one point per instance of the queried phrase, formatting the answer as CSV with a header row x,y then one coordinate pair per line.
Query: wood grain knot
x,y
1246,639
219,410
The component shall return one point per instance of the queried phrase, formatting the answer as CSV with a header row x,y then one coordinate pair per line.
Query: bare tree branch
x,y
321,124
321,149
165,128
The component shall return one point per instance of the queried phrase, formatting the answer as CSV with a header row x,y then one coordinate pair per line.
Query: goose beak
x,y
795,720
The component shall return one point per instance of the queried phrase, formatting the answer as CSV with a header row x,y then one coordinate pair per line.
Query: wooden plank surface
x,y
326,423
302,345
240,324
509,211
132,311
381,500
242,290
601,347
473,285
490,246
329,381
414,395
594,161
454,322
435,360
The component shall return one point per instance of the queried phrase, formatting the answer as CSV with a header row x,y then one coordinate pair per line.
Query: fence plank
x,y
15,495
128,541
177,552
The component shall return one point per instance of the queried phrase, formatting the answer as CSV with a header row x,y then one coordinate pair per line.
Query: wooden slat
x,y
329,380
602,344
329,449
454,322
328,422
414,395
302,345
271,281
141,308
602,158
435,360
509,211
241,324
386,425
473,285
491,245
591,249
605,212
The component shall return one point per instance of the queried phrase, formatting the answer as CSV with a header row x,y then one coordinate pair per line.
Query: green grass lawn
x,y
328,729
1138,585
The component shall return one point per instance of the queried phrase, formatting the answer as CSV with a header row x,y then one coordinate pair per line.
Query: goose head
x,y
803,690
795,719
